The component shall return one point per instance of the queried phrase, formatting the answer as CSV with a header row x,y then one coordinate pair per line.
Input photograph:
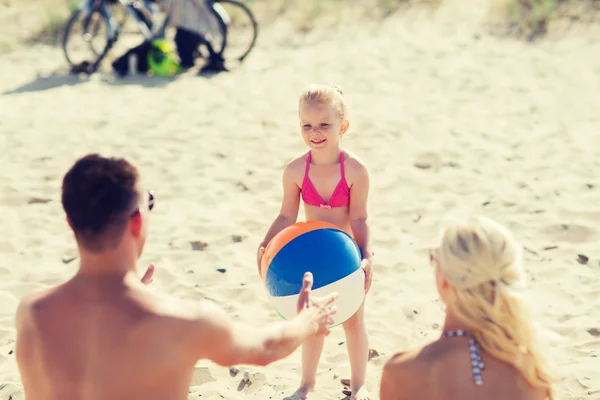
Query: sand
x,y
446,116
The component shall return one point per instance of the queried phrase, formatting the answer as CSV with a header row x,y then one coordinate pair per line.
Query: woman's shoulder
x,y
402,372
402,359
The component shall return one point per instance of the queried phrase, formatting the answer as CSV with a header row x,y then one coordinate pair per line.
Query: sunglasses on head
x,y
150,200
150,203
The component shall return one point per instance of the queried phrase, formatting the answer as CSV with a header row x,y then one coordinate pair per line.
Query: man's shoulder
x,y
198,325
189,313
34,302
31,311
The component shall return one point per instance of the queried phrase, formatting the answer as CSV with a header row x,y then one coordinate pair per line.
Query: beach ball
x,y
319,247
162,59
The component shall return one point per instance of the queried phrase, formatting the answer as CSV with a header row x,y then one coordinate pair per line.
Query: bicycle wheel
x,y
93,30
238,30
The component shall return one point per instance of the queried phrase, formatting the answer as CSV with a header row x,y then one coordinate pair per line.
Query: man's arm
x,y
215,336
228,342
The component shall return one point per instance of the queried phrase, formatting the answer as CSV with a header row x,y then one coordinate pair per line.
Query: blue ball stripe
x,y
329,254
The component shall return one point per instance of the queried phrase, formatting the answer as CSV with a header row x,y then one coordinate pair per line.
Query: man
x,y
104,335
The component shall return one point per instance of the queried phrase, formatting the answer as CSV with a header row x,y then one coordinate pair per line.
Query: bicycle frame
x,y
133,9
144,13
88,6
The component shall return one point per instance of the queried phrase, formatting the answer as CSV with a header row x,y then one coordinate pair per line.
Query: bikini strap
x,y
342,165
307,165
477,364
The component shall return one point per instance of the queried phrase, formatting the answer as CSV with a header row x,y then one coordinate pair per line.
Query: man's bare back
x,y
442,371
104,335
92,339
102,340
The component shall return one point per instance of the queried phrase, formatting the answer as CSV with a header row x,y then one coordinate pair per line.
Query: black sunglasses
x,y
150,203
150,200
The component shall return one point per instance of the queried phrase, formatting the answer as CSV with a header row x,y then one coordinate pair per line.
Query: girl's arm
x,y
359,194
358,212
288,214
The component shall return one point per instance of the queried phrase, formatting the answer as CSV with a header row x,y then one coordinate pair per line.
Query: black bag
x,y
121,64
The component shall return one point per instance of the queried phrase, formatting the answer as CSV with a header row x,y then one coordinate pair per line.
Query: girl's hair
x,y
482,262
325,94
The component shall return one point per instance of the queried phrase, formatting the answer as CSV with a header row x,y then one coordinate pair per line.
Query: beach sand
x,y
446,116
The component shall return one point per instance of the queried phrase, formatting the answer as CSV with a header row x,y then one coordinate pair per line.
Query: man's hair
x,y
98,194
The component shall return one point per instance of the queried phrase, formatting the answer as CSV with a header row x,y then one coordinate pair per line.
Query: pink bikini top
x,y
340,196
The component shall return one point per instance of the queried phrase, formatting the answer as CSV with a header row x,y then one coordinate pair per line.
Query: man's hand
x,y
367,266
319,311
149,275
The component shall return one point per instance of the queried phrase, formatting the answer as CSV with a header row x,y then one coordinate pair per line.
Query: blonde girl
x,y
334,185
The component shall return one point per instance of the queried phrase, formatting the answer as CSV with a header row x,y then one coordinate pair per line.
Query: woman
x,y
487,349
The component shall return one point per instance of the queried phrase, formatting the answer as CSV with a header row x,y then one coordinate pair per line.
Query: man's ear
x,y
69,222
135,224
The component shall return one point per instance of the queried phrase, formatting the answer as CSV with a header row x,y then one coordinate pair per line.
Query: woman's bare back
x,y
443,371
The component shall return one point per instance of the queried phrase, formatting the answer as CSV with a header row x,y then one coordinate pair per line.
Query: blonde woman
x,y
487,349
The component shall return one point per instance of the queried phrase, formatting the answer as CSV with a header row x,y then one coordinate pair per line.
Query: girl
x,y
334,185
487,349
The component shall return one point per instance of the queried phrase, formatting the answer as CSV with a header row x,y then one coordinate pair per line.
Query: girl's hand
x,y
259,256
367,266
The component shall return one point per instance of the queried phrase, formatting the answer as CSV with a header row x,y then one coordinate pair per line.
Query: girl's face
x,y
321,125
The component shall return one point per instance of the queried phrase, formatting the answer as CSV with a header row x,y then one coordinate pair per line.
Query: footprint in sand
x,y
10,391
251,383
8,304
201,376
570,233
428,161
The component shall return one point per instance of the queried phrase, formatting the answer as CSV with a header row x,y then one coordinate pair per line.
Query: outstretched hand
x,y
148,275
319,310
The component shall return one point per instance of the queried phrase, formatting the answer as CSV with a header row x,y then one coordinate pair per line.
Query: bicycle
x,y
94,15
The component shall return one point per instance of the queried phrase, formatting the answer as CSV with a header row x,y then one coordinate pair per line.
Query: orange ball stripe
x,y
287,235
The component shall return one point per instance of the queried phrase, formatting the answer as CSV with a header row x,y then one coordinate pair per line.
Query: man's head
x,y
104,204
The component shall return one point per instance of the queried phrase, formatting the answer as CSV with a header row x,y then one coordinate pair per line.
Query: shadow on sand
x,y
59,79
42,83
